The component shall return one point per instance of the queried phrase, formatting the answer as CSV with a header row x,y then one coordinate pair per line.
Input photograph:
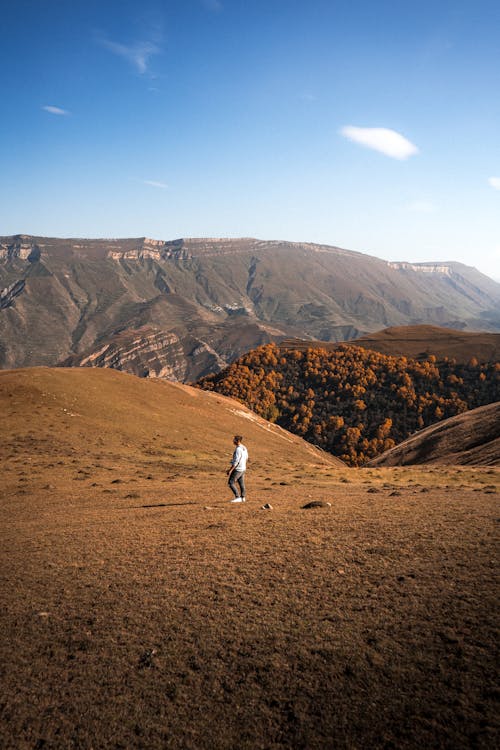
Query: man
x,y
237,468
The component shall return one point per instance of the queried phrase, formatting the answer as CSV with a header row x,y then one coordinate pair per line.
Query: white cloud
x,y
55,110
421,207
137,54
214,5
387,141
494,182
155,184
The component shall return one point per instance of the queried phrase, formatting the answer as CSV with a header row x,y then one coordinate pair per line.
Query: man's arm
x,y
232,463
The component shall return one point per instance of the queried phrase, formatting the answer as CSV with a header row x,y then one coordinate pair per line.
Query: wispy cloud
x,y
421,207
387,141
138,53
156,184
494,182
214,5
55,110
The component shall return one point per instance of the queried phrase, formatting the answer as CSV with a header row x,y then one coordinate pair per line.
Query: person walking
x,y
237,468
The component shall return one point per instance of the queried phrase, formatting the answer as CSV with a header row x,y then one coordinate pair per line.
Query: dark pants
x,y
237,476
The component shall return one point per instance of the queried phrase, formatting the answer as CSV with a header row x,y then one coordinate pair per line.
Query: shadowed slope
x,y
472,438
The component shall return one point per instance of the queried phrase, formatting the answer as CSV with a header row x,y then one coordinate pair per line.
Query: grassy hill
x,y
104,413
469,438
419,342
138,609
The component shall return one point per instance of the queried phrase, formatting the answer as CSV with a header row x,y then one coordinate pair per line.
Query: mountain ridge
x,y
64,300
419,342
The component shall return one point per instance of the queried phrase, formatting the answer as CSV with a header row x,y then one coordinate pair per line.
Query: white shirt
x,y
240,458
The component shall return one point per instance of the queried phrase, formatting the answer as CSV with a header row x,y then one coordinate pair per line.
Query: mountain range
x,y
181,309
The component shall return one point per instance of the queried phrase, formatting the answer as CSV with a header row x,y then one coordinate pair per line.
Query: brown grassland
x,y
139,609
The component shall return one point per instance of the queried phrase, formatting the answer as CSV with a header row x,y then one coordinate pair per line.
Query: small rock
x,y
394,494
341,572
448,636
316,504
146,660
372,490
267,506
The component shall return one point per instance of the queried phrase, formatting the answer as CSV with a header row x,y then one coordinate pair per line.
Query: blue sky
x,y
372,126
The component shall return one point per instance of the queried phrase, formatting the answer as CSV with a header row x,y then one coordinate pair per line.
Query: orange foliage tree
x,y
351,401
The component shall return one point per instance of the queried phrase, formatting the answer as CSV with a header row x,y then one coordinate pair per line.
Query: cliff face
x,y
152,354
144,353
21,247
200,303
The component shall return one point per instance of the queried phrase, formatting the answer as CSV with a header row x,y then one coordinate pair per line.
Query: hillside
x,y
419,342
139,609
354,402
472,438
102,413
185,308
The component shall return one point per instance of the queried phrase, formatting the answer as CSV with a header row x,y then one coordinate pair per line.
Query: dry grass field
x,y
139,609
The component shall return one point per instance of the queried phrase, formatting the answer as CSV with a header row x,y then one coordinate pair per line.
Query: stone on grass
x,y
267,506
316,504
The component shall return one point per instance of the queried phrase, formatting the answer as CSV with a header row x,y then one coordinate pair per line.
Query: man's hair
x,y
239,438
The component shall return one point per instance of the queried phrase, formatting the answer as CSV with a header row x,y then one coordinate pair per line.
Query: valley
x,y
357,403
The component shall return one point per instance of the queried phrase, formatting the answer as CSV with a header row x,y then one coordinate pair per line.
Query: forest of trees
x,y
354,402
